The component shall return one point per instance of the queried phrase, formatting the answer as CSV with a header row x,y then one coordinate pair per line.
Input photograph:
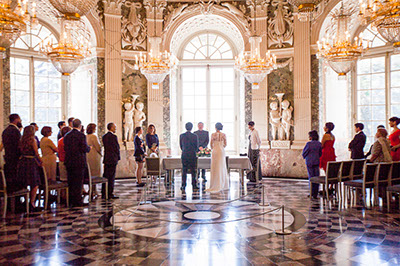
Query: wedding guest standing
x,y
328,151
395,138
75,147
356,146
111,158
94,156
254,153
370,148
70,120
204,139
61,155
11,136
311,153
49,153
189,144
36,130
60,125
28,171
152,137
381,149
139,154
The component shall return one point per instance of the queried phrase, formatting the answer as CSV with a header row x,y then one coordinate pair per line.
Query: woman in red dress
x,y
394,138
328,151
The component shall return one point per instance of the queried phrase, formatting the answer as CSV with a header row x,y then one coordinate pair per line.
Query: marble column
x,y
113,64
5,91
302,83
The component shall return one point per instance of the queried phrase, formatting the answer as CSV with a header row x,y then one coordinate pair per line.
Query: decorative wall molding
x,y
112,7
280,27
134,28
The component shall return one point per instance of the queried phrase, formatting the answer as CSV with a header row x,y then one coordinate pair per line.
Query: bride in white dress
x,y
219,173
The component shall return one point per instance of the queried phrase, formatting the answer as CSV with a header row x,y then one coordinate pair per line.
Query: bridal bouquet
x,y
206,152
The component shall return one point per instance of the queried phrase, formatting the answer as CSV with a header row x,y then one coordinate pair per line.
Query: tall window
x,y
208,91
36,86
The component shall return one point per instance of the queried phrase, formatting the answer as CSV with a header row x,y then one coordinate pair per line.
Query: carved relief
x,y
133,30
280,26
280,119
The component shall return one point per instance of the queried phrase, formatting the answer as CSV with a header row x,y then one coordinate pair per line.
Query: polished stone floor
x,y
162,226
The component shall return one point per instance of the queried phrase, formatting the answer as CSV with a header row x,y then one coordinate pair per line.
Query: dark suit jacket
x,y
357,146
139,146
189,144
312,153
111,149
75,147
11,136
204,138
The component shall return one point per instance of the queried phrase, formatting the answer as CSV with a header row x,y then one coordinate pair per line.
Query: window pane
x,y
395,79
395,62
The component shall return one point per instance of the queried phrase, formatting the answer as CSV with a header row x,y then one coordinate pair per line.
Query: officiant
x,y
203,143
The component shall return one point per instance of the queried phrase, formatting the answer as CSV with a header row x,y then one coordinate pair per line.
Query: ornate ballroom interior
x,y
288,65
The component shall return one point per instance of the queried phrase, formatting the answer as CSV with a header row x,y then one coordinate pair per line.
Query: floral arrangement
x,y
204,152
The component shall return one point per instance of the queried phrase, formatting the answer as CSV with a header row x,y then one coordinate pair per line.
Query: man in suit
x,y
203,143
111,158
356,146
75,147
11,136
60,125
254,153
189,144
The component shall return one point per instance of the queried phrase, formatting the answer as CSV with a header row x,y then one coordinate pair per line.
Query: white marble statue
x,y
139,116
286,119
275,119
128,121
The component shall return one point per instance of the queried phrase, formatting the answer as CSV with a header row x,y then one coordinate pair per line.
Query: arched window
x,y
36,86
208,46
373,36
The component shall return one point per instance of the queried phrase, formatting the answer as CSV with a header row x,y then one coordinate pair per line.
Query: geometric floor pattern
x,y
332,234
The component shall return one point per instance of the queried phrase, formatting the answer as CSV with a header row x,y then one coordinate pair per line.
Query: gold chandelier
x,y
305,8
14,22
385,16
341,52
74,44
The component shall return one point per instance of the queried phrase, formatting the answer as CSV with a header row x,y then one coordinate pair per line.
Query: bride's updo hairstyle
x,y
219,126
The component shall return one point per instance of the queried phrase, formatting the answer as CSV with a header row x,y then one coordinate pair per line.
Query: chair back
x,y
333,170
87,179
384,172
358,167
43,177
3,185
370,172
345,171
153,166
395,175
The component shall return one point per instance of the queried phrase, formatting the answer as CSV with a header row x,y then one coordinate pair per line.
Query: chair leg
x,y
46,199
364,197
67,196
27,203
106,190
5,205
58,197
388,198
327,191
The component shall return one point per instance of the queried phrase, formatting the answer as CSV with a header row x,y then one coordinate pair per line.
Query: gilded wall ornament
x,y
280,27
133,29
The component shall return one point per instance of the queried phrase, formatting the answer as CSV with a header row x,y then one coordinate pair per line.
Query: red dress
x,y
328,154
395,140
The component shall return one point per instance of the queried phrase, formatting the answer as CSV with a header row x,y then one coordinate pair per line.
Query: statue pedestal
x,y
280,144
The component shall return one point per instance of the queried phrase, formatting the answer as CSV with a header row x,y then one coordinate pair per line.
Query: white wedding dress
x,y
219,173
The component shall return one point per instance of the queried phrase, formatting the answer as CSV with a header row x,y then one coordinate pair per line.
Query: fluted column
x,y
302,83
113,66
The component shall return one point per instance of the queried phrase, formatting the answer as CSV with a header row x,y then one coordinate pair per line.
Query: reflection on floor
x,y
330,235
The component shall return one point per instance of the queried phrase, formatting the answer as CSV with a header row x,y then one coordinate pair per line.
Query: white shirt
x,y
255,140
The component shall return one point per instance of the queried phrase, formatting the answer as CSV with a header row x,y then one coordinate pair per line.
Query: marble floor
x,y
162,226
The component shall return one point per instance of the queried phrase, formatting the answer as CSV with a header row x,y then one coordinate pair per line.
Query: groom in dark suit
x,y
356,146
189,144
111,158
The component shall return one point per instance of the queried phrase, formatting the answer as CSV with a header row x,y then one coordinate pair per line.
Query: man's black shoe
x,y
113,197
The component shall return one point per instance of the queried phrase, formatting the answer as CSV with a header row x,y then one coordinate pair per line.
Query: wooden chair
x,y
382,179
153,168
394,183
346,170
53,185
332,177
95,180
3,189
358,167
368,181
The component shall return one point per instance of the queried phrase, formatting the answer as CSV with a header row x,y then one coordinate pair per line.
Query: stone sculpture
x,y
281,121
275,118
286,119
128,121
139,116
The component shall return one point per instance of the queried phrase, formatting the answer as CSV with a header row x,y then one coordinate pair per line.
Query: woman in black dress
x,y
151,137
28,166
139,155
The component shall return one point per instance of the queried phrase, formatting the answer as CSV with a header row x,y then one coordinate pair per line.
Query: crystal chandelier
x,y
385,16
155,66
72,48
341,52
74,44
305,9
254,67
14,22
